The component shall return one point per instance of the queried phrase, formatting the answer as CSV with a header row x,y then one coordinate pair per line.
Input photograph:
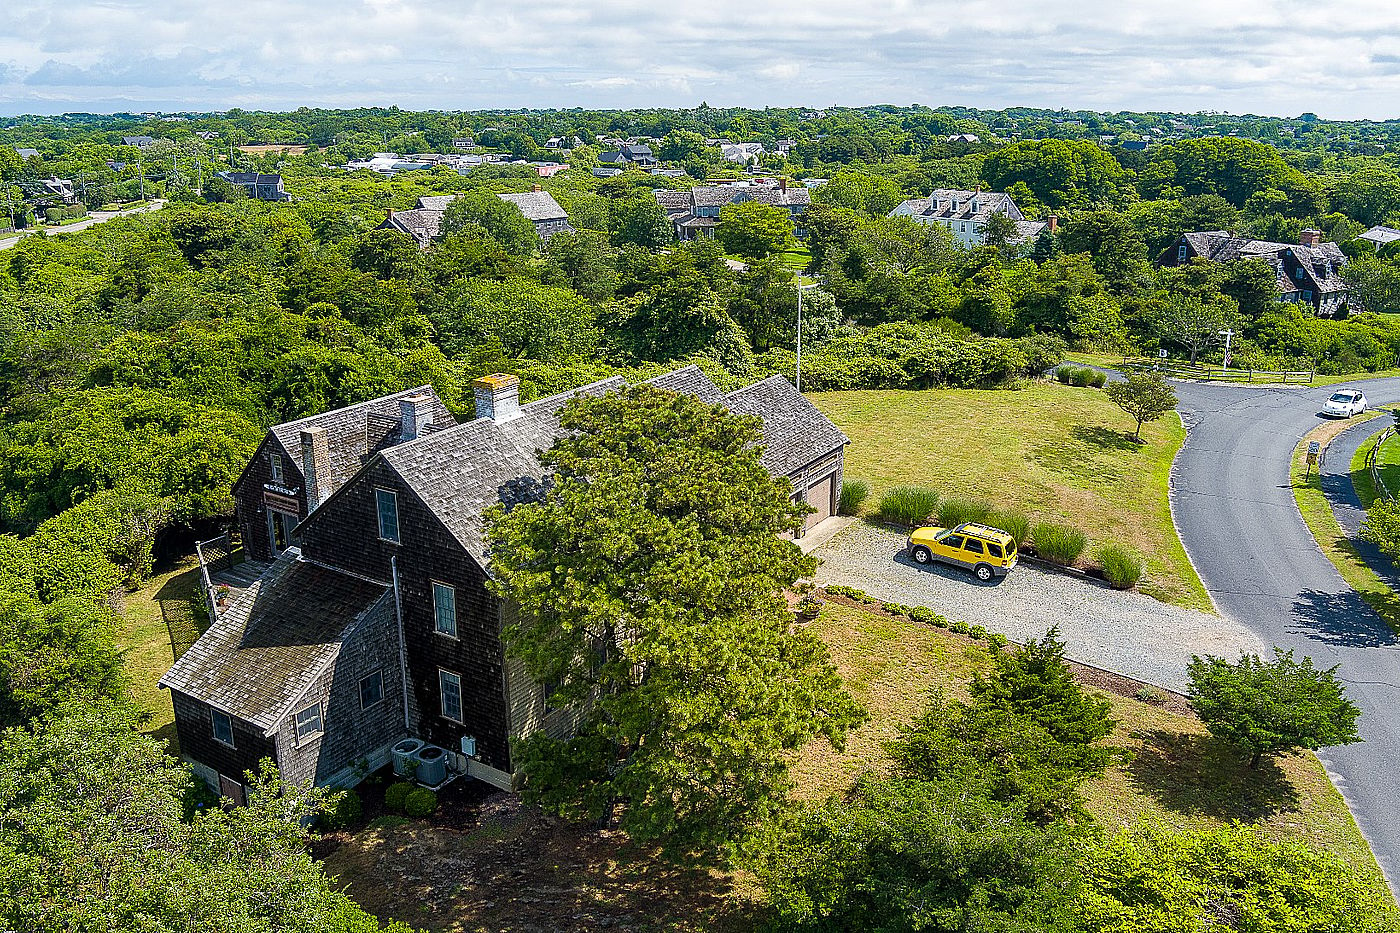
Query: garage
x,y
819,496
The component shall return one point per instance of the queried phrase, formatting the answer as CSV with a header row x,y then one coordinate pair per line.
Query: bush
x,y
854,492
952,512
1097,378
1014,522
420,802
1120,566
345,809
1082,376
808,607
908,505
395,795
1059,544
1065,374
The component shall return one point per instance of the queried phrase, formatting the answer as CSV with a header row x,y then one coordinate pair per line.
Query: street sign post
x,y
1314,455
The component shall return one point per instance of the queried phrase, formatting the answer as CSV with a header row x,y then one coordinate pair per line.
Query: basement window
x,y
222,726
309,723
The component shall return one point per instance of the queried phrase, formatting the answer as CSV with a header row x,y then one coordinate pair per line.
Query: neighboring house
x,y
27,153
206,134
638,154
463,143
60,189
614,159
740,152
258,186
695,213
967,213
381,626
1379,236
607,171
140,142
967,138
1308,273
424,222
1134,145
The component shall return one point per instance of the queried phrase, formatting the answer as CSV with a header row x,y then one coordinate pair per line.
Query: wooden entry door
x,y
233,790
819,496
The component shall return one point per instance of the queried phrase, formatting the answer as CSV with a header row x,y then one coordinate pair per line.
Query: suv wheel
x,y
922,555
983,572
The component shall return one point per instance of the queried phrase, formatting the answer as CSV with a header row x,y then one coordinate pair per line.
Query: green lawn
x,y
160,610
1334,542
1177,776
1389,462
1060,453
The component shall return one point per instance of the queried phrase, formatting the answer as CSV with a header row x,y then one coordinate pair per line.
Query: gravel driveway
x,y
1124,632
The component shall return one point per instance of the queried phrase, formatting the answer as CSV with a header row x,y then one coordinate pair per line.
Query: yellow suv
x,y
988,552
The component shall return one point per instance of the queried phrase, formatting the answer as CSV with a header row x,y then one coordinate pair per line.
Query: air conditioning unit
x,y
432,765
405,756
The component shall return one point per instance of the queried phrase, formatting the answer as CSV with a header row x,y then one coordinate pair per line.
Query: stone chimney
x,y
497,397
414,414
1310,238
316,465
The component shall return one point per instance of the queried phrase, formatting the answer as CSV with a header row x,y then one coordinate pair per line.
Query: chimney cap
x,y
496,381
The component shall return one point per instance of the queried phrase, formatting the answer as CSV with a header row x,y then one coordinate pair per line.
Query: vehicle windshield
x,y
1342,397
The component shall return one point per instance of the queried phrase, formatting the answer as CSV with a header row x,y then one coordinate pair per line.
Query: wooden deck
x,y
223,566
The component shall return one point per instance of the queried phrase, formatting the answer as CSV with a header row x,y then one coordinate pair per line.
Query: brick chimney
x,y
497,397
782,184
1052,223
414,414
1310,238
315,465
535,188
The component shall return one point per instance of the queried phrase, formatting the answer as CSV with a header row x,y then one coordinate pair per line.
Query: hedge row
x,y
922,614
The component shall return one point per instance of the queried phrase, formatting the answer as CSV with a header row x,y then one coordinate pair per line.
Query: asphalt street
x,y
1236,514
96,217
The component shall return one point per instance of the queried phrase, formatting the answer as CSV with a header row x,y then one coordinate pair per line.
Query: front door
x,y
233,790
281,530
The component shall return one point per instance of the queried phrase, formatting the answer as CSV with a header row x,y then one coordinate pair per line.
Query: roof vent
x,y
415,412
497,397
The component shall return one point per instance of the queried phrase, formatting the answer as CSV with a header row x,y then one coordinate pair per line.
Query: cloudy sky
x,y
1338,59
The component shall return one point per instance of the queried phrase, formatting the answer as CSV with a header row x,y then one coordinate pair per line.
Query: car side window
x,y
974,546
952,540
994,550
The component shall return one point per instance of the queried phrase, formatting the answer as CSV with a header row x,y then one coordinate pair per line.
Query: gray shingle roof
x,y
795,433
357,431
1321,263
421,224
270,644
949,204
435,202
536,205
690,380
1380,235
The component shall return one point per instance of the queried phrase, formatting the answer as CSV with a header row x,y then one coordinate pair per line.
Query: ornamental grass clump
x,y
1014,522
953,512
854,492
1121,567
908,505
1059,544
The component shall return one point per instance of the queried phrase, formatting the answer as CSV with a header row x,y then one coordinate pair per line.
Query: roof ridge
x,y
345,408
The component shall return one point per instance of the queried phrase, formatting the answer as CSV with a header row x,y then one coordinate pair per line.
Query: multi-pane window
x,y
388,506
276,461
1181,253
371,690
450,687
445,609
309,722
223,727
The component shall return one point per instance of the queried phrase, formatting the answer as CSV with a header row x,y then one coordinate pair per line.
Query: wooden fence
x,y
1178,370
1371,457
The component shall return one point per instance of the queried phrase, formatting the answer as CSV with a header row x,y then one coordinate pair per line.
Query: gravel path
x,y
1124,632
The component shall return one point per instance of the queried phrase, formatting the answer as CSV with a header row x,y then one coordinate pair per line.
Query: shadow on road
x,y
1343,619
1198,775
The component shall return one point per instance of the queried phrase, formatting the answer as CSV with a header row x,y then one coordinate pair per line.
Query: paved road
x,y
1236,514
96,217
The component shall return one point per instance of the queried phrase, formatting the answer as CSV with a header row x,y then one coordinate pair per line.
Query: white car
x,y
1344,403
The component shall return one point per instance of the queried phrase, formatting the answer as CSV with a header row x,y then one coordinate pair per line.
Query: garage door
x,y
819,498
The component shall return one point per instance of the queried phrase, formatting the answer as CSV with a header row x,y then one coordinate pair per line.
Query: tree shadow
x,y
1344,619
1105,439
1200,775
177,600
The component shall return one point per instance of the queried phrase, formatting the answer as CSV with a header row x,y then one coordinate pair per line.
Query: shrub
x,y
953,512
908,505
1065,374
420,802
854,492
849,592
345,809
1081,376
1097,378
1121,566
1014,522
395,794
809,607
1059,544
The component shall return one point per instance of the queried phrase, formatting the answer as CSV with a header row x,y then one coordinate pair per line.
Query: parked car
x,y
988,552
1344,403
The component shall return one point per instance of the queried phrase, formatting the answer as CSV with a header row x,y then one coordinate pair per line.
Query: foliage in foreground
x,y
647,581
1266,707
92,837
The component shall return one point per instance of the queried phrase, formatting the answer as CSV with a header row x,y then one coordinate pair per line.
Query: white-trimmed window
x,y
222,725
372,690
450,688
275,461
309,723
444,609
387,505
1181,253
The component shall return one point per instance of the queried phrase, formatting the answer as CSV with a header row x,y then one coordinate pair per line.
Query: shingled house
x,y
424,222
695,213
1307,273
380,626
967,213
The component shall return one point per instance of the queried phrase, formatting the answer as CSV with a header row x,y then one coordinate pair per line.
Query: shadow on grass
x,y
177,600
1104,439
1201,776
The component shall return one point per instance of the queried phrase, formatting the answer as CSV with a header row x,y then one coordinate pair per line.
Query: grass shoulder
x,y
1061,453
1335,543
1388,462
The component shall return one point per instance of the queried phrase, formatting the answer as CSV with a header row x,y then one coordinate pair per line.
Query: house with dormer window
x,y
1308,273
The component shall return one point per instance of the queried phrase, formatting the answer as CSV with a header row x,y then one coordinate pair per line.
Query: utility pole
x,y
800,289
141,173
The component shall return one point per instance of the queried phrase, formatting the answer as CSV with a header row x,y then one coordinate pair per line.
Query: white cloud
x,y
1262,56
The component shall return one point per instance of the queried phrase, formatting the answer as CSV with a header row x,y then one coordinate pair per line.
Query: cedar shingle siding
x,y
346,603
